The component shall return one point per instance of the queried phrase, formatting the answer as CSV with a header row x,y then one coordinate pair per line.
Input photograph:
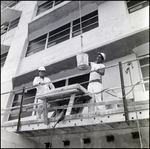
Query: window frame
x,y
141,73
68,36
136,5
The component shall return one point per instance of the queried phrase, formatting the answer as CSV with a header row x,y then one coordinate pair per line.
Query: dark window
x,y
36,45
3,59
6,27
144,64
28,98
48,145
87,140
136,5
59,35
110,138
14,23
80,79
11,3
88,22
66,143
47,5
59,84
135,135
57,2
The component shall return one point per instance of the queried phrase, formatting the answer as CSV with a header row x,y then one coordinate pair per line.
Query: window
x,y
3,59
144,64
36,45
136,5
14,24
8,26
89,22
87,140
28,98
59,35
80,79
110,138
47,5
66,143
135,135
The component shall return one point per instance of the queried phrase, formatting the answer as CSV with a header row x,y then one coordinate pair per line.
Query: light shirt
x,y
94,75
41,89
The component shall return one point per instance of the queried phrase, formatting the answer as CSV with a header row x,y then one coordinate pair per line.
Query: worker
x,y
43,85
95,81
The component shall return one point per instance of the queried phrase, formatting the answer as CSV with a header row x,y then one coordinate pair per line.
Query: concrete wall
x,y
15,52
118,27
13,140
122,139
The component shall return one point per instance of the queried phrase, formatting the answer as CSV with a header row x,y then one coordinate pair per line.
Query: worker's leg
x,y
39,109
97,90
90,89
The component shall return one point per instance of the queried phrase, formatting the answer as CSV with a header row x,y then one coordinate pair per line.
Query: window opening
x,y
3,59
136,5
110,138
86,140
36,45
88,22
59,35
66,143
5,26
29,97
135,135
47,5
144,64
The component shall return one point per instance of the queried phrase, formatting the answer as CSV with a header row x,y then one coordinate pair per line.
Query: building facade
x,y
47,33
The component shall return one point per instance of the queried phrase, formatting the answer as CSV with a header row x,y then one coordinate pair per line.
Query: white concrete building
x,y
47,33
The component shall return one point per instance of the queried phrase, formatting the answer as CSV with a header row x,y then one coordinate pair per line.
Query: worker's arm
x,y
36,82
51,86
101,71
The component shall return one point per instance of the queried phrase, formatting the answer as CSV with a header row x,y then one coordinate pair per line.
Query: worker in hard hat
x,y
95,81
43,85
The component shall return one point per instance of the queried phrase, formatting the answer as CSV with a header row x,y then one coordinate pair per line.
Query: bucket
x,y
82,61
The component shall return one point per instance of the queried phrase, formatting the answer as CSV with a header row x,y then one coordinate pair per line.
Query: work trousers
x,y
95,87
39,111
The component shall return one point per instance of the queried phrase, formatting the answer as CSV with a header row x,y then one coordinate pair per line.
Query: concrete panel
x,y
111,10
12,140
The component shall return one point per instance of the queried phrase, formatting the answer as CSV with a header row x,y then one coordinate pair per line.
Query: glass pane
x,y
58,2
145,71
36,45
144,61
59,35
47,5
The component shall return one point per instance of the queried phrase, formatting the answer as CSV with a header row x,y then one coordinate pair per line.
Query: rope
x,y
80,25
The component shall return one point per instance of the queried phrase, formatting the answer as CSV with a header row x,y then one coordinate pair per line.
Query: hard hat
x,y
41,68
103,55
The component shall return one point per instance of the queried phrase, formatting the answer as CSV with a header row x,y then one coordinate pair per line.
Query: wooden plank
x,y
61,94
68,112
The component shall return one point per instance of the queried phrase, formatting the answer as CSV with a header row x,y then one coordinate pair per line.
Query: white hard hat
x,y
41,68
103,55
